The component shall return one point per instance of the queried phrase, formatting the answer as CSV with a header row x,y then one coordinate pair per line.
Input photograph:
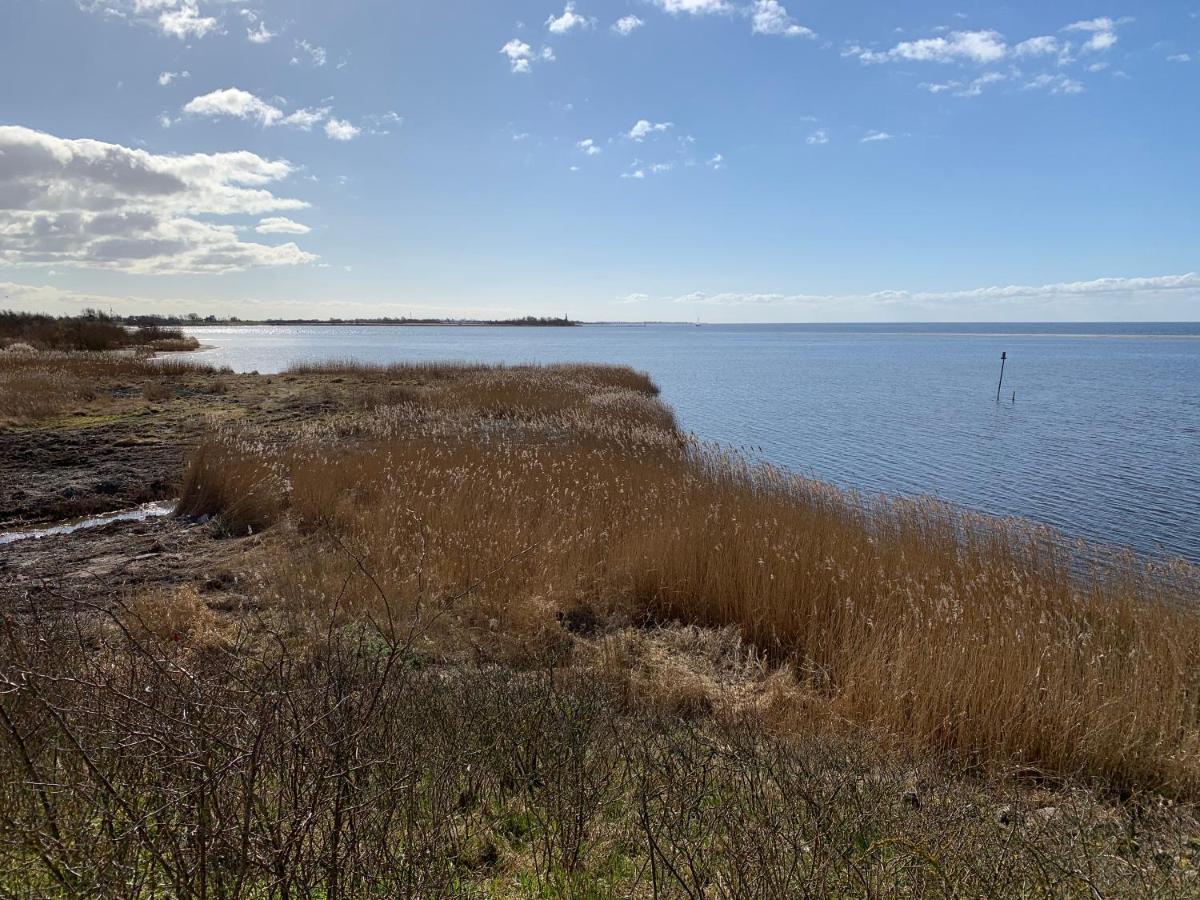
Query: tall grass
x,y
525,493
39,385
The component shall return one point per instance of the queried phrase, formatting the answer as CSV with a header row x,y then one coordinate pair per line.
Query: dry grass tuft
x,y
40,385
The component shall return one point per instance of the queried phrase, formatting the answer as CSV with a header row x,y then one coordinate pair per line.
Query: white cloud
x,y
627,25
588,146
643,127
818,137
316,55
281,225
234,103
260,35
166,78
1182,287
1118,295
568,20
973,88
694,7
1055,84
770,17
87,203
1045,45
341,130
381,124
716,162
876,136
957,46
305,119
185,22
520,55
1103,33
1180,58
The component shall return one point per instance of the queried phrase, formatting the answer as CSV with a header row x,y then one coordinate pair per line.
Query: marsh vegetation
x,y
507,631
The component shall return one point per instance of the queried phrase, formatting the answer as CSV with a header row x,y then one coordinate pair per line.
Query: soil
x,y
91,568
119,452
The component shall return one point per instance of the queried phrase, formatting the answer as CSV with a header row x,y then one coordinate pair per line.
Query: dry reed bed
x,y
531,492
38,385
316,743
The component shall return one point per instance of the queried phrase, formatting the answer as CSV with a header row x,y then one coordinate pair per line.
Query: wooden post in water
x,y
1003,359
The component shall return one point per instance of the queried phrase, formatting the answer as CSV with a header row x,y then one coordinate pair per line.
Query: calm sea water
x,y
1103,441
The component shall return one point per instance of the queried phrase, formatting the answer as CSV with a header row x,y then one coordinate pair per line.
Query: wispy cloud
x,y
1121,294
873,137
311,52
770,17
643,128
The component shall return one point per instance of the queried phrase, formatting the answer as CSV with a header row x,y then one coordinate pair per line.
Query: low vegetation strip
x,y
93,332
507,631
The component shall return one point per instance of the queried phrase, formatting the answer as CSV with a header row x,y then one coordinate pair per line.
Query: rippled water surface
x,y
1103,440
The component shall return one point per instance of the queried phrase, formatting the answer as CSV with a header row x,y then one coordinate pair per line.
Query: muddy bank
x,y
48,475
93,567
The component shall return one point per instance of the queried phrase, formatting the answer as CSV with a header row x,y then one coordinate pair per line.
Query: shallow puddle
x,y
140,514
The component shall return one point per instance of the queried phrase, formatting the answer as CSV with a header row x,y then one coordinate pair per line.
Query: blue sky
x,y
730,160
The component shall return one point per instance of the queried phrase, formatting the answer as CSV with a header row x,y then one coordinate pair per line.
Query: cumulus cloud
x,y
818,137
281,225
770,17
79,202
341,130
568,21
644,127
182,19
234,103
957,46
694,7
627,25
185,22
716,162
1102,31
588,146
520,56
